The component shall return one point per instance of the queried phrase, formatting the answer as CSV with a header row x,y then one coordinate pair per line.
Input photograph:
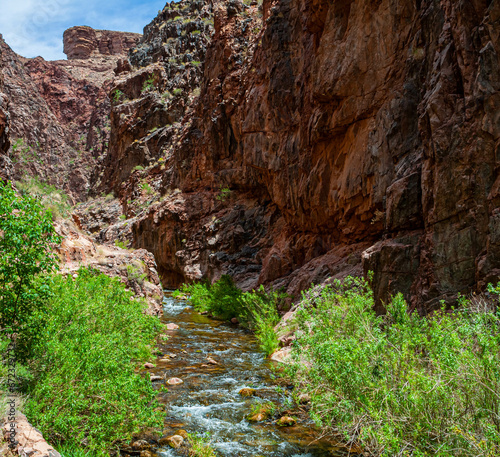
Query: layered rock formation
x,y
60,111
5,165
82,42
328,138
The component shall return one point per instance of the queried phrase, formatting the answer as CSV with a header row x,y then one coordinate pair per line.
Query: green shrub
x,y
85,388
121,244
220,299
257,310
225,193
200,446
117,95
148,85
26,238
136,273
401,385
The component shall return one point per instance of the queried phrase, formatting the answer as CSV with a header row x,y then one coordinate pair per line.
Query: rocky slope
x,y
328,138
84,42
60,110
5,166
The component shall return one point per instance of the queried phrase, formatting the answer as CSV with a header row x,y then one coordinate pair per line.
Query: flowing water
x,y
208,400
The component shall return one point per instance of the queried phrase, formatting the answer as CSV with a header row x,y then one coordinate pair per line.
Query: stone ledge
x,y
30,442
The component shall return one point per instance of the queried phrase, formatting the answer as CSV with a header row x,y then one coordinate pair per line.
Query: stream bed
x,y
208,400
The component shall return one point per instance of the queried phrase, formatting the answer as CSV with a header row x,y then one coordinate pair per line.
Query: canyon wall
x,y
284,142
328,138
5,165
59,112
82,42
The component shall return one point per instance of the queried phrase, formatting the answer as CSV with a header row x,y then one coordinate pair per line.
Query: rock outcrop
x,y
30,442
82,42
60,110
136,269
5,165
328,138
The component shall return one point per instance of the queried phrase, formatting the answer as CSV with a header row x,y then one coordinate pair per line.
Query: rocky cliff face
x,y
60,111
83,42
5,166
328,138
289,141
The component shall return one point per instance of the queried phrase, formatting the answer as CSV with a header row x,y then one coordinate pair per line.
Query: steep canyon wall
x,y
333,138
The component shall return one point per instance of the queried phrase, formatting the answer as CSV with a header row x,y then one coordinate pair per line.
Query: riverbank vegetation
x,y
256,310
85,389
401,384
78,339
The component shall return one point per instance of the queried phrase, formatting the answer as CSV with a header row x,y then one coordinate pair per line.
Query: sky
x,y
35,27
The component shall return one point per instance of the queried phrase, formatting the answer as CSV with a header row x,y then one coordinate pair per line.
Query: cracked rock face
x,y
290,141
350,136
83,42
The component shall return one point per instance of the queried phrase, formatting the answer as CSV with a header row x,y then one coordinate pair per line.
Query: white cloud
x,y
35,27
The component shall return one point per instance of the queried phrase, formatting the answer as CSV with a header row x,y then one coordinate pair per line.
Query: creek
x,y
208,401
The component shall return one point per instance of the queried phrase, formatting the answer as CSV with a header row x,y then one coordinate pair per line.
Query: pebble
x,y
172,326
246,392
140,445
165,360
212,361
286,421
304,398
234,320
155,378
174,381
258,417
175,441
148,365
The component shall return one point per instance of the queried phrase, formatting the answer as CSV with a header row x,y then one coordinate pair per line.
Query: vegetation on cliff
x,y
401,384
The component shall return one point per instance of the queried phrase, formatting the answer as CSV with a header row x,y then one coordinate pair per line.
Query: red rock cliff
x,y
331,138
83,42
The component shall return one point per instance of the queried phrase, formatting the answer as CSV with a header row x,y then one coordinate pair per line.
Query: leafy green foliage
x,y
200,446
117,95
121,244
225,193
26,235
85,386
257,310
402,385
135,272
148,85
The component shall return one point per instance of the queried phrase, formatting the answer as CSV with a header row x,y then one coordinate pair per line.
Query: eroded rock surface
x,y
292,141
136,269
82,42
328,138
